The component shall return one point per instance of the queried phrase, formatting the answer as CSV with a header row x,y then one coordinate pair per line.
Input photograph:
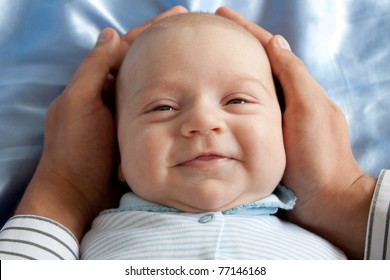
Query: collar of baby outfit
x,y
281,198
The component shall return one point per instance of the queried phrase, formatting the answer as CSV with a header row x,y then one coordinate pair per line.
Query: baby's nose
x,y
203,122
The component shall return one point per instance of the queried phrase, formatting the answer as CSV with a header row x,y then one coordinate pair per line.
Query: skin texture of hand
x,y
334,194
74,177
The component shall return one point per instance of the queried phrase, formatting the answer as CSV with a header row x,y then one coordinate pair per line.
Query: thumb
x,y
89,80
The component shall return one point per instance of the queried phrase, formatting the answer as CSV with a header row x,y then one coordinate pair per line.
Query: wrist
x,y
339,215
56,198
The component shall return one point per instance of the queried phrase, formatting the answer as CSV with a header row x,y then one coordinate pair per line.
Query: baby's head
x,y
199,123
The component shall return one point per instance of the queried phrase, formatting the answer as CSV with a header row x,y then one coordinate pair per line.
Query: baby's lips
x,y
205,160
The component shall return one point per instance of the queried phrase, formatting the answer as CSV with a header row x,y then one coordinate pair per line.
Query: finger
x,y
260,33
131,35
90,78
297,83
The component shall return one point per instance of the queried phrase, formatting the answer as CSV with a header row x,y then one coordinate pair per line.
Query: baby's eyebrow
x,y
173,85
241,79
157,84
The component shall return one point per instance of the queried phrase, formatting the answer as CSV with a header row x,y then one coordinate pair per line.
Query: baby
x,y
201,147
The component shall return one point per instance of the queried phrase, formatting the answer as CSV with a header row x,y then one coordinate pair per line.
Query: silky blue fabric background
x,y
345,45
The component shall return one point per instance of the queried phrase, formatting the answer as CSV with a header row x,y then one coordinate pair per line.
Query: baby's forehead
x,y
207,23
161,39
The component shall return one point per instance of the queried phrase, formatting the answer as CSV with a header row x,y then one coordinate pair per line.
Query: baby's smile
x,y
206,161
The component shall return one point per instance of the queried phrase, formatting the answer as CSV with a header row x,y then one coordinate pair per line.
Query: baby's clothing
x,y
141,229
38,237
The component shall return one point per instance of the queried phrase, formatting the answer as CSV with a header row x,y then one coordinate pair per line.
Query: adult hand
x,y
334,194
73,178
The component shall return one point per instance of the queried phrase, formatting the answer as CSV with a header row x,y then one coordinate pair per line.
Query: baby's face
x,y
199,124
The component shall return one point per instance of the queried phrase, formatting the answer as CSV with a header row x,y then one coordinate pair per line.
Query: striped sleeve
x,y
34,237
378,235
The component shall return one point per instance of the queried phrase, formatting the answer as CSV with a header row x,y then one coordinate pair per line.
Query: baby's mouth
x,y
208,160
208,157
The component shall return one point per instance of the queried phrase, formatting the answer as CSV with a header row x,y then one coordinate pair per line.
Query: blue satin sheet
x,y
345,45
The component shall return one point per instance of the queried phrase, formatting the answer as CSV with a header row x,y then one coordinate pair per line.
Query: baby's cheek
x,y
266,151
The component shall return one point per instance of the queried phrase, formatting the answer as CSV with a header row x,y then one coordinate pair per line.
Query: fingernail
x,y
181,9
104,36
282,43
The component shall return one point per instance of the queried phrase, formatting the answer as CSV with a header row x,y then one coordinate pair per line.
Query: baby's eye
x,y
236,101
163,108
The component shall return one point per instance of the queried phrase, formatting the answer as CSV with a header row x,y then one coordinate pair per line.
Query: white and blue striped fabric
x,y
139,229
37,238
378,229
32,237
146,235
